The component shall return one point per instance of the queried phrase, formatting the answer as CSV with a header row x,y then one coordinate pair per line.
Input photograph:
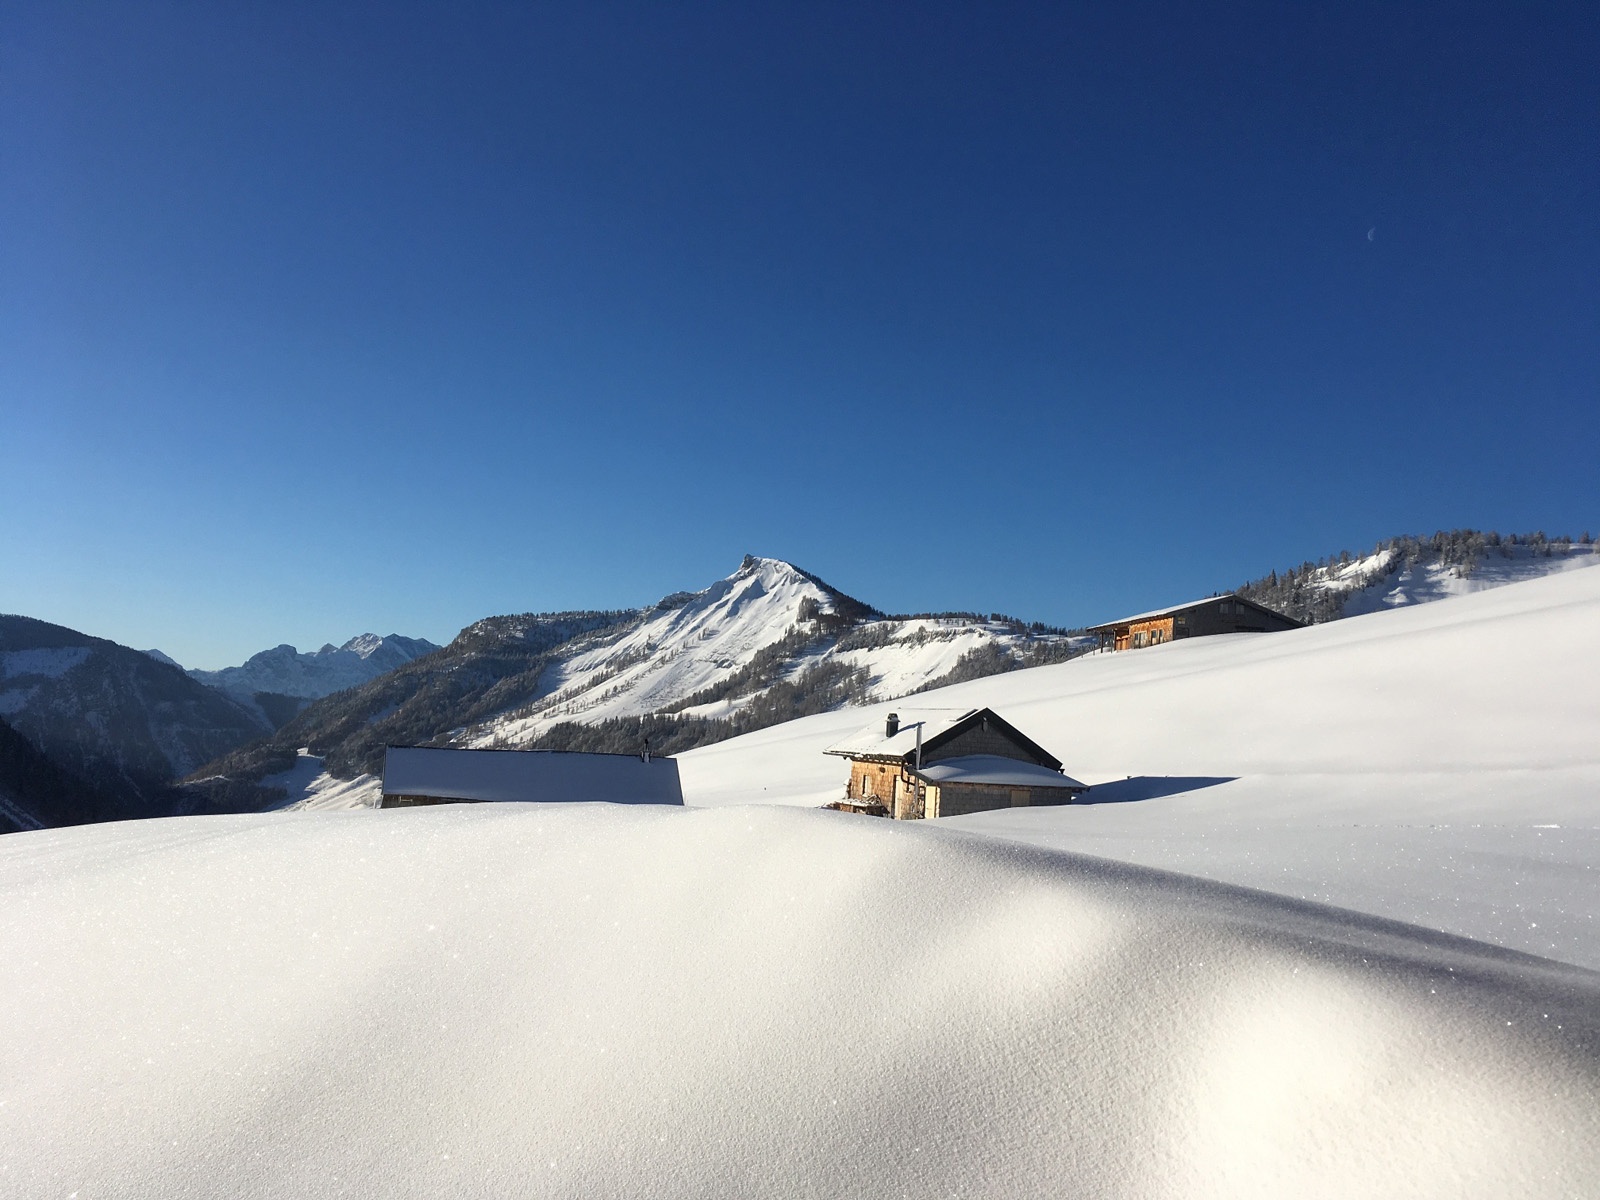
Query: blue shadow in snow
x,y
1149,787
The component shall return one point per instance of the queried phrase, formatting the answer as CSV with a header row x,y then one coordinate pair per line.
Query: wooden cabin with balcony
x,y
1200,618
948,762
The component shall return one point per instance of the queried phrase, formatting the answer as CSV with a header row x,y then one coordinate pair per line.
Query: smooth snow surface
x,y
586,1001
1437,763
995,771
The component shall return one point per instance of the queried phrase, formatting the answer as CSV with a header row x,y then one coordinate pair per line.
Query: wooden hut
x,y
946,762
416,775
1199,618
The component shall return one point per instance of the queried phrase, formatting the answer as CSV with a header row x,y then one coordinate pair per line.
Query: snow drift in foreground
x,y
594,1001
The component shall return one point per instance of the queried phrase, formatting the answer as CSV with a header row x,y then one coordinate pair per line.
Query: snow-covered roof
x,y
1160,612
873,740
1154,613
539,776
991,770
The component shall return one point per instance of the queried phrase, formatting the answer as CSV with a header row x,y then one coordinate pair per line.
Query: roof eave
x,y
866,756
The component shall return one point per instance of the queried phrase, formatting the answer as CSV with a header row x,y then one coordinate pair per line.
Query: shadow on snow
x,y
1149,787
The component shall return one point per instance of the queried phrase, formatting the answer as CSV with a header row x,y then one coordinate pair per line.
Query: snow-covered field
x,y
1438,764
594,1001
753,999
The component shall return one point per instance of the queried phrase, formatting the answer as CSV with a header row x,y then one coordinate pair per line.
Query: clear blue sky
x,y
326,318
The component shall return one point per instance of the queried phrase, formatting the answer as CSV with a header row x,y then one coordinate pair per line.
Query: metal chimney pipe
x,y
892,725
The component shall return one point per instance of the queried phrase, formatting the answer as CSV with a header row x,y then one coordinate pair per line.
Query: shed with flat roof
x,y
418,775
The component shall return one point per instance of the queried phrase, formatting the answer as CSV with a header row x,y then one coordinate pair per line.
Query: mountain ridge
x,y
285,671
122,721
1411,569
766,644
769,642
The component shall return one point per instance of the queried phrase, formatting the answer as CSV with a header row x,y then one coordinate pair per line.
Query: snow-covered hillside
x,y
112,717
1413,570
1434,763
490,1001
682,646
284,671
755,999
1386,580
767,643
686,655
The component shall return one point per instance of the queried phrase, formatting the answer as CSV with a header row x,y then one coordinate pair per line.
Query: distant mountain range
x,y
278,683
769,643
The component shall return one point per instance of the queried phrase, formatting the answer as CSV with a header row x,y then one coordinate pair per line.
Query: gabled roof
x,y
871,739
530,775
991,770
938,726
1157,613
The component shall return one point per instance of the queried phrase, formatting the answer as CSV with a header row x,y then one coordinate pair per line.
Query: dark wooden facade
x,y
1216,614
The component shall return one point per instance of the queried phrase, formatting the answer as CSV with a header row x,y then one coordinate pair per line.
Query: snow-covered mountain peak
x,y
756,565
767,642
774,588
364,645
769,633
285,671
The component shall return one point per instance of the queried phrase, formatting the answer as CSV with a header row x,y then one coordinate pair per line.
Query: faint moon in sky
x,y
1372,234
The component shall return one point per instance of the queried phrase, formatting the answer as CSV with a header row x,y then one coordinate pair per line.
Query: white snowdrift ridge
x,y
598,1001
